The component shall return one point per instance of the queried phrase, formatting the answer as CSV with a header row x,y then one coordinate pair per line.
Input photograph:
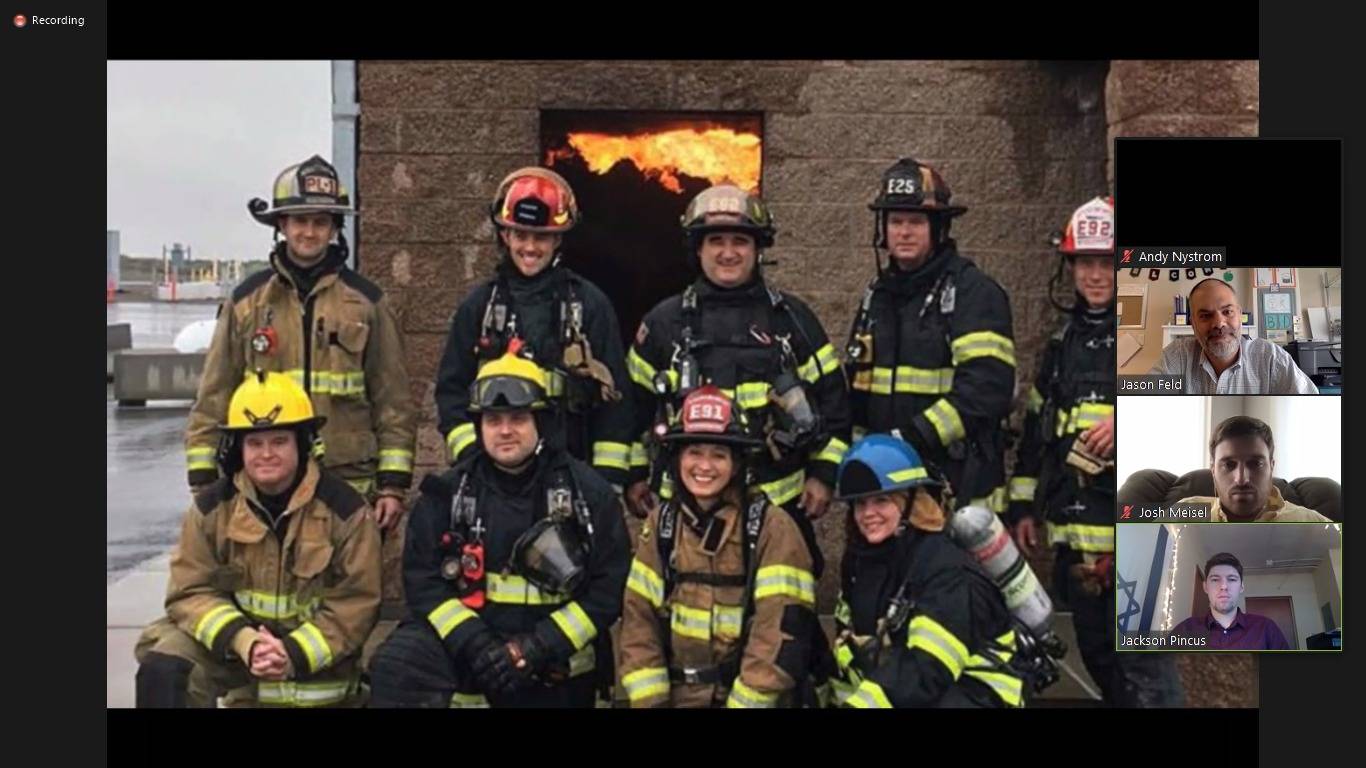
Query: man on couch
x,y
1242,463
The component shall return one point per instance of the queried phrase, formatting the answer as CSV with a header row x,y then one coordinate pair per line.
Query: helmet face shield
x,y
551,555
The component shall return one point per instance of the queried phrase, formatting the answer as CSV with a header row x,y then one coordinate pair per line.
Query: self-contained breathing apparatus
x,y
789,426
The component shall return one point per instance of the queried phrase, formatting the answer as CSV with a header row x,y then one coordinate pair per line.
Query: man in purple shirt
x,y
1226,626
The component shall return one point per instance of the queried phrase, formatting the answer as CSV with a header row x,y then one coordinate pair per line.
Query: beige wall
x,y
1328,592
1298,585
1159,310
1309,287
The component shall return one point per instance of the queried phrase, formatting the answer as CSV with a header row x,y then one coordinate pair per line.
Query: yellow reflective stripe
x,y
1008,687
1023,488
339,383
774,580
842,690
269,605
460,438
554,384
395,460
1091,414
314,645
646,683
727,620
1083,417
994,501
646,583
1083,538
842,612
212,622
743,697
721,621
666,486
335,383
363,485
947,424
575,624
828,360
514,590
810,370
784,489
639,457
833,451
639,370
844,657
749,394
882,381
868,695
468,701
912,473
290,693
202,457
690,622
609,454
970,346
1035,402
923,381
446,617
930,636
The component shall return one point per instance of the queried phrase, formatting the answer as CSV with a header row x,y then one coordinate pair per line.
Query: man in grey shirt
x,y
1219,361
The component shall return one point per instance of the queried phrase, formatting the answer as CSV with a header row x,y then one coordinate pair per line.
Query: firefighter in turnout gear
x,y
1065,469
514,566
931,355
565,322
275,583
918,623
762,347
315,320
720,602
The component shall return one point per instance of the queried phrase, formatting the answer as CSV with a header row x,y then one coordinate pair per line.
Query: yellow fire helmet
x,y
510,383
270,401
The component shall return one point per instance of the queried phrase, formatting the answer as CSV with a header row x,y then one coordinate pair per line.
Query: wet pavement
x,y
145,485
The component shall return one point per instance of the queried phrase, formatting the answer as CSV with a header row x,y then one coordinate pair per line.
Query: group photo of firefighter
x,y
635,524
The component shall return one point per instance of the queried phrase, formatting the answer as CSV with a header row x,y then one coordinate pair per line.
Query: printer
x,y
1321,361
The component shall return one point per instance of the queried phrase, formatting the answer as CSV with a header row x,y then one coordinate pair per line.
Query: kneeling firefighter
x,y
514,566
919,623
720,602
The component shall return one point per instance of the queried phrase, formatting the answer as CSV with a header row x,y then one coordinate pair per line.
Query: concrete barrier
x,y
117,337
190,292
156,374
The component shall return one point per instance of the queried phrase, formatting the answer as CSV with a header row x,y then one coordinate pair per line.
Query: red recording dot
x,y
19,20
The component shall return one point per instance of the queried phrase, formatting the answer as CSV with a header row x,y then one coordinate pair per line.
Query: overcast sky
x,y
189,142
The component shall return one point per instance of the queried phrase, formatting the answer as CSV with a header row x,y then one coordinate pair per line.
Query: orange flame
x,y
719,155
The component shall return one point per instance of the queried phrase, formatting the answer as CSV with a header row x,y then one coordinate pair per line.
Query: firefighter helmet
x,y
535,199
308,187
709,416
1091,230
880,464
270,401
509,383
726,207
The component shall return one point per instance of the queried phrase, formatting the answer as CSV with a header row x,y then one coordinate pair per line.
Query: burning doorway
x,y
633,174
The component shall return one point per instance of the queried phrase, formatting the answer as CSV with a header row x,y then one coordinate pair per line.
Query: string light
x,y
1167,622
